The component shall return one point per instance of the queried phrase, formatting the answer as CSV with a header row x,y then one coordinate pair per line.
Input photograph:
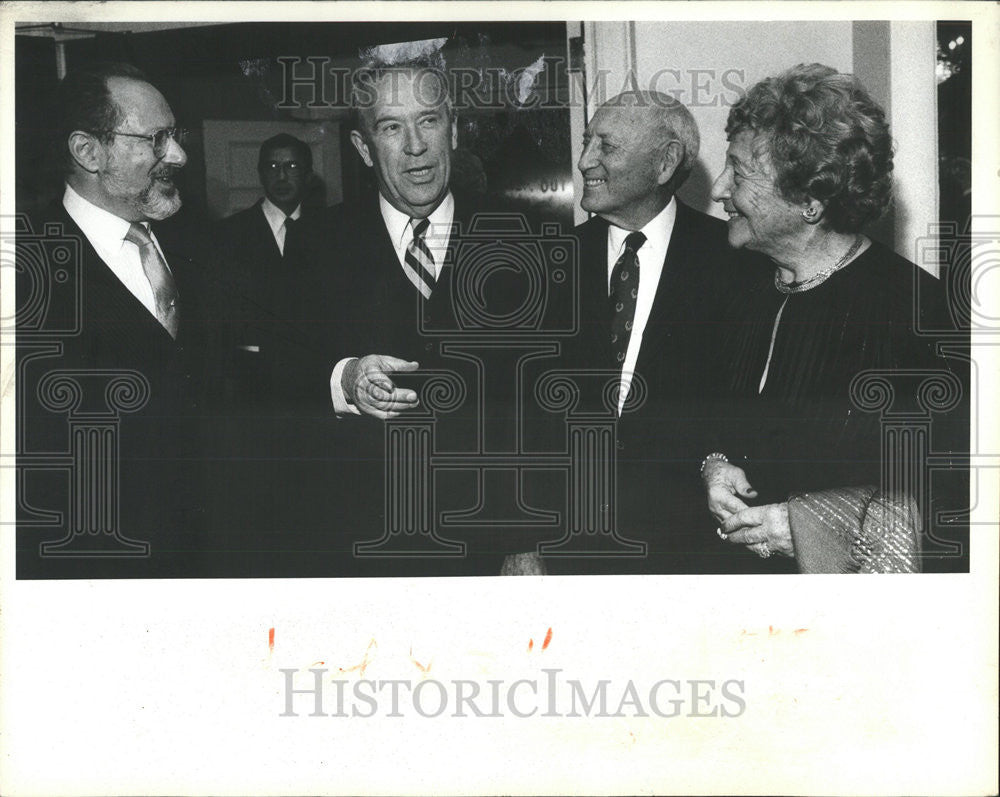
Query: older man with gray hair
x,y
655,274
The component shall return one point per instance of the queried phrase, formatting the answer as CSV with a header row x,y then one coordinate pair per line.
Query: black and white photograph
x,y
324,321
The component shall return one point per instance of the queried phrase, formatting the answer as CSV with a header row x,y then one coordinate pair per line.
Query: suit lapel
x,y
264,236
671,294
105,295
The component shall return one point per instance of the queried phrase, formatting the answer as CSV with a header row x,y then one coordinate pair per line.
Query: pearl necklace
x,y
822,276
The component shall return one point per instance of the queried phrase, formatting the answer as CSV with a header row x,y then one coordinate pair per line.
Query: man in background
x,y
266,251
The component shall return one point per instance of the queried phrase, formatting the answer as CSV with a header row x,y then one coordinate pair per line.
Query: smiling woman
x,y
809,164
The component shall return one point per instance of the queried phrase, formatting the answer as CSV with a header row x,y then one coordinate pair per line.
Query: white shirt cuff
x,y
341,405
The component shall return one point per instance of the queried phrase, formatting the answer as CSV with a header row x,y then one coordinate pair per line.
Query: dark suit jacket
x,y
470,314
272,506
98,325
270,301
660,444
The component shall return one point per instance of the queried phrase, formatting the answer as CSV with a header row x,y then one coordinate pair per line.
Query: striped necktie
x,y
418,262
159,276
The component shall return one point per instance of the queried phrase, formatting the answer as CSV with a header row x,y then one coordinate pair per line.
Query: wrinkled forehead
x,y
626,122
750,147
402,92
142,106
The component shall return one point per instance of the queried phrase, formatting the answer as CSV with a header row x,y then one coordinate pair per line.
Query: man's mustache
x,y
167,172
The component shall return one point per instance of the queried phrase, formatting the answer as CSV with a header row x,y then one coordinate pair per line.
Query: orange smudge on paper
x,y
531,644
317,664
364,661
270,639
771,631
548,638
801,630
420,666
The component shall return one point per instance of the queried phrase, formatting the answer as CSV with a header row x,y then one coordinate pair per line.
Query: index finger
x,y
392,364
741,519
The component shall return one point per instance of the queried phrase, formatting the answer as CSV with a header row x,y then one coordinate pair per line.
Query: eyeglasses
x,y
159,138
275,166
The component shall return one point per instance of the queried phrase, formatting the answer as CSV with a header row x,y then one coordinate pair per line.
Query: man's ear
x,y
358,140
454,133
673,154
85,150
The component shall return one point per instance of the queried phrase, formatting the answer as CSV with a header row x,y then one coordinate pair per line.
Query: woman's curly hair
x,y
827,140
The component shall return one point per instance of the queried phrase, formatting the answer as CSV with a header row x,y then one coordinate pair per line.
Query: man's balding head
x,y
122,144
639,148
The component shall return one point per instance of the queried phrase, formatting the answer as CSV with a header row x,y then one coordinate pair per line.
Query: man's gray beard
x,y
157,205
155,202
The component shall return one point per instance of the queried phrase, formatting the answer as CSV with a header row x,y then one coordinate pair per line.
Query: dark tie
x,y
159,276
291,238
623,294
418,262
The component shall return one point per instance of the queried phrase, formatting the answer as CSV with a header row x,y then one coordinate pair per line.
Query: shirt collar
x,y
397,223
657,230
276,216
98,224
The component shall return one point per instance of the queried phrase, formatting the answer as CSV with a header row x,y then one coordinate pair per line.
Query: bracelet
x,y
715,455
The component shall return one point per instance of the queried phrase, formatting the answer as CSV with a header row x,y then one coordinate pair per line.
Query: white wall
x,y
705,52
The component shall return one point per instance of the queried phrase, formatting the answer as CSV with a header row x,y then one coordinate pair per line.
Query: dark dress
x,y
805,431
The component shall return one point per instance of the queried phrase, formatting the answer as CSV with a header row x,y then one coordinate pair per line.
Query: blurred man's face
x,y
284,176
407,138
135,182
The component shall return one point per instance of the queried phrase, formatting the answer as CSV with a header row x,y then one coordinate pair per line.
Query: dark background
x,y
231,72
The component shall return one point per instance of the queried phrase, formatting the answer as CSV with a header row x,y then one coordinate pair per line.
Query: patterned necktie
x,y
623,295
159,276
418,262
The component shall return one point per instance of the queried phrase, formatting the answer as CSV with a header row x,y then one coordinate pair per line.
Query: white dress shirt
x,y
106,233
276,221
397,224
651,256
400,232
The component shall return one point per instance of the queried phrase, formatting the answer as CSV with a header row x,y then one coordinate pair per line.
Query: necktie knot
x,y
419,227
138,235
634,242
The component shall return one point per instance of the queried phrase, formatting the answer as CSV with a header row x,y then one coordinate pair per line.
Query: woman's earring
x,y
809,214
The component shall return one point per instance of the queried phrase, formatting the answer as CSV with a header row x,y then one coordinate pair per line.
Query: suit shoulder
x,y
695,219
241,217
331,215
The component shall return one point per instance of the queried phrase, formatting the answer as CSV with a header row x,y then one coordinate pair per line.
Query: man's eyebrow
x,y
386,118
606,138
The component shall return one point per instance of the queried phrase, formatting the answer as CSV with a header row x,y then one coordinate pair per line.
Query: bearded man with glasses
x,y
130,309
